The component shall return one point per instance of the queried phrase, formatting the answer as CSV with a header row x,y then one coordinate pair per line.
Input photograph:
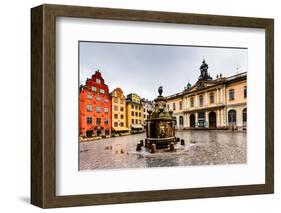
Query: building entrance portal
x,y
212,120
201,119
192,120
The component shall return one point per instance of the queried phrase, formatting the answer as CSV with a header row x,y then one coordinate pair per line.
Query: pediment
x,y
202,85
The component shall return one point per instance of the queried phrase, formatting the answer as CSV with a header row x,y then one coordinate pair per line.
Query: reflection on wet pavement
x,y
201,148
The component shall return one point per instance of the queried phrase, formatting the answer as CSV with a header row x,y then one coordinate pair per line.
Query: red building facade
x,y
95,107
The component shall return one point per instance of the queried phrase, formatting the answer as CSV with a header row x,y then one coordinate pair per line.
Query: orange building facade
x,y
95,108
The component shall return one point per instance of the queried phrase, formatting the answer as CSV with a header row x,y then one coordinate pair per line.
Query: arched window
x,y
232,117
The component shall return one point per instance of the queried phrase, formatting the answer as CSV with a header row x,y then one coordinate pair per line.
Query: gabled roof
x,y
202,84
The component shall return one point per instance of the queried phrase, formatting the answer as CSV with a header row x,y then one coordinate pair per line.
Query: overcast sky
x,y
143,68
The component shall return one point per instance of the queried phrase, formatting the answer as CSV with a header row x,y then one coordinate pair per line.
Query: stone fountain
x,y
160,126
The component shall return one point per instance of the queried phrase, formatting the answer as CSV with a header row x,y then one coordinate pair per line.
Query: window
x,y
175,119
115,116
122,116
102,91
212,98
115,100
89,96
133,121
106,121
98,80
106,110
139,114
136,121
121,124
115,108
105,100
245,92
98,98
140,121
121,101
244,117
89,120
191,102
98,109
132,113
201,100
89,108
133,107
168,107
180,105
231,94
115,124
174,106
139,108
121,109
98,120
94,89
181,120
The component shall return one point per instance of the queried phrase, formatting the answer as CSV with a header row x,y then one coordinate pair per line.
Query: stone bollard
x,y
182,142
153,148
141,142
138,147
172,146
178,139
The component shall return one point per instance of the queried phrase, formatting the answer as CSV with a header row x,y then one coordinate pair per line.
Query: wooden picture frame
x,y
43,105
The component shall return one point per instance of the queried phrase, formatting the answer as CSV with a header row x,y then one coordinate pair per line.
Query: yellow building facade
x,y
219,103
134,113
119,112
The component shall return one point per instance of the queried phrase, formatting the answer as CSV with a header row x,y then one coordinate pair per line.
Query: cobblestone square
x,y
202,147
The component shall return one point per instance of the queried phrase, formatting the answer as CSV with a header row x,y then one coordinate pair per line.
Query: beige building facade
x,y
119,112
219,103
146,106
177,105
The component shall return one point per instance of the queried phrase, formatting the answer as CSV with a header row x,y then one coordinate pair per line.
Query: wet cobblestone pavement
x,y
201,148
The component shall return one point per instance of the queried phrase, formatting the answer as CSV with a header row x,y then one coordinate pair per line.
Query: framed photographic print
x,y
137,106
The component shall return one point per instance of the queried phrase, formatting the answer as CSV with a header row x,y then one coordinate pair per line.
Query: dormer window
x,y
98,80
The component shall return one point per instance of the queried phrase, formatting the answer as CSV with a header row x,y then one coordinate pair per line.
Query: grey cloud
x,y
142,68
